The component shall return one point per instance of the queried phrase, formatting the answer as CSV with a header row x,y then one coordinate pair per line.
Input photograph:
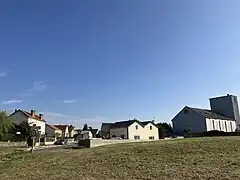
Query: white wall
x,y
42,124
118,132
225,125
132,131
147,132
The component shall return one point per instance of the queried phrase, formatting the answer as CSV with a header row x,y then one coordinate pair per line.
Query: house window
x,y
122,136
213,125
34,125
231,126
186,112
226,126
113,136
136,137
219,125
151,137
150,127
136,126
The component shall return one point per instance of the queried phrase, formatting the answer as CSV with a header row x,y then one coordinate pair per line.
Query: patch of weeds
x,y
16,155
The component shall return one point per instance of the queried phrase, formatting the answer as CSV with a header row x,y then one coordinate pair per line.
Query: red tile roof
x,y
29,115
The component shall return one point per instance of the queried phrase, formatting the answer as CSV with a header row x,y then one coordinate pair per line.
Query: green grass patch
x,y
188,159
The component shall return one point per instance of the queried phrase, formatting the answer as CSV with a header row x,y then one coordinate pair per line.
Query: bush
x,y
215,133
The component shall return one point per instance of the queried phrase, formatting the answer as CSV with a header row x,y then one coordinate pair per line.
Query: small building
x,y
221,117
64,129
53,131
32,118
134,129
105,130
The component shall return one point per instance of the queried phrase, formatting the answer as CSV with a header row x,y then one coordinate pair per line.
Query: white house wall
x,y
148,132
225,125
38,123
132,131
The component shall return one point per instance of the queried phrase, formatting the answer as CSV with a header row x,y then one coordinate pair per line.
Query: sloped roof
x,y
61,127
53,127
106,126
124,124
209,114
28,114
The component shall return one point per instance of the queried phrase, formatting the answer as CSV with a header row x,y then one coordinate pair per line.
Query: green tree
x,y
166,128
5,124
85,127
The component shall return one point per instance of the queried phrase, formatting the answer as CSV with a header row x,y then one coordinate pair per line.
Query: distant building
x,y
53,131
222,117
132,129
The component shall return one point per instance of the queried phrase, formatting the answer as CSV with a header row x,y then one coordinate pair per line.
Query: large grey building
x,y
226,106
223,116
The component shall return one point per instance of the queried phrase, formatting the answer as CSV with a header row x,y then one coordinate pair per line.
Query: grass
x,y
187,159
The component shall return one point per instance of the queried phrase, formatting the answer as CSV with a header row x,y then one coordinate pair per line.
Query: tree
x,y
167,128
5,124
23,128
85,127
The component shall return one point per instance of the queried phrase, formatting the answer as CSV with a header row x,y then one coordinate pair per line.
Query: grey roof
x,y
123,124
106,126
209,114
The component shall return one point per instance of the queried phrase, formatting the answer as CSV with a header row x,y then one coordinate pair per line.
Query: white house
x,y
200,120
32,118
134,129
65,130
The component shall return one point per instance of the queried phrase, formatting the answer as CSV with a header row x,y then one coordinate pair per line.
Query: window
x,y
136,137
151,137
113,136
213,125
34,125
122,136
231,126
136,126
150,127
226,126
219,125
186,112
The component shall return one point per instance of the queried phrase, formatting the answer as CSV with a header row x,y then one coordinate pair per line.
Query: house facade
x,y
64,129
134,130
52,131
31,117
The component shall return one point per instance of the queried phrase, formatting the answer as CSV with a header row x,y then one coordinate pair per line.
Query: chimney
x,y
32,113
41,116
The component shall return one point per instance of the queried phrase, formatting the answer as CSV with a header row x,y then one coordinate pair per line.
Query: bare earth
x,y
201,158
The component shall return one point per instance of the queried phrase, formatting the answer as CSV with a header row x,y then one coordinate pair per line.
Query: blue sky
x,y
92,61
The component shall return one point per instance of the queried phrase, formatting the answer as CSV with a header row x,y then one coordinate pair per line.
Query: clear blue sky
x,y
93,61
